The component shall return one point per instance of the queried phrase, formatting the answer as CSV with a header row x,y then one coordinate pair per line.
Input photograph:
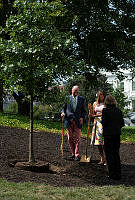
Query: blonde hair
x,y
110,100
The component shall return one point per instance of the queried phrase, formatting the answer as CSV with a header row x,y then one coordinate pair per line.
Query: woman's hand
x,y
93,115
81,121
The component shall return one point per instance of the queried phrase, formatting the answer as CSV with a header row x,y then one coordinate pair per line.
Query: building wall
x,y
128,84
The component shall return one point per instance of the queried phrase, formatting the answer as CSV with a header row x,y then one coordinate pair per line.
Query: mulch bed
x,y
62,171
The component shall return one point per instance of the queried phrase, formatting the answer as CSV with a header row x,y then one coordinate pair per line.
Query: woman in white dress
x,y
97,131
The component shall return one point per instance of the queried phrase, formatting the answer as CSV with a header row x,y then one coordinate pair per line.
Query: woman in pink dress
x,y
97,131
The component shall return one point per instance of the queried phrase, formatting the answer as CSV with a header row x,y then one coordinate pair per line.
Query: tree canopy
x,y
104,32
50,39
37,52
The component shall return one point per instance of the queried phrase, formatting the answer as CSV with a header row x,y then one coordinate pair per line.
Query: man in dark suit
x,y
74,113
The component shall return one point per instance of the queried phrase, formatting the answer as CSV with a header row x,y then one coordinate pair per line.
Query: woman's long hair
x,y
98,96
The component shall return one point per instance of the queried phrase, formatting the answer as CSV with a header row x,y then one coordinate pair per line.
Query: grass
x,y
23,122
34,191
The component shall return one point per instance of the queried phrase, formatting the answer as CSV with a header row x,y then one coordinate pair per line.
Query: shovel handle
x,y
62,135
90,109
62,125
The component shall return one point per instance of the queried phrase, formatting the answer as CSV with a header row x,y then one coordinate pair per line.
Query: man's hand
x,y
62,114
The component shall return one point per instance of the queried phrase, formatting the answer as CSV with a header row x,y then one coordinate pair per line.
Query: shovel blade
x,y
85,159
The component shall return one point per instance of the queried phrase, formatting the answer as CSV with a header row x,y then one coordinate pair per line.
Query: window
x,y
133,105
133,85
122,86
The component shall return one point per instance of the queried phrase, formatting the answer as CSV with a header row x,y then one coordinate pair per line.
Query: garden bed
x,y
14,148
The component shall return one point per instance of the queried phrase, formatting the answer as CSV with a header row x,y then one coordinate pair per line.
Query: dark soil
x,y
63,171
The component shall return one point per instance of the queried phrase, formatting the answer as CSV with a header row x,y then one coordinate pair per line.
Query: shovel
x,y
85,157
93,140
62,135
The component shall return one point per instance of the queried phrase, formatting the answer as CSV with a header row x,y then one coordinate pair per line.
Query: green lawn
x,y
34,191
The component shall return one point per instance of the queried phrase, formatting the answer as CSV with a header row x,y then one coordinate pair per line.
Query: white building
x,y
127,85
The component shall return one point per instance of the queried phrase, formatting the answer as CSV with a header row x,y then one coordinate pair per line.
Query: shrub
x,y
42,112
12,108
128,130
128,134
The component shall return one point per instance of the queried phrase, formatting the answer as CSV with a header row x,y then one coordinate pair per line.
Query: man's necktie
x,y
74,104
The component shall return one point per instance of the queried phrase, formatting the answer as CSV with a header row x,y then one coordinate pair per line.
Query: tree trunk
x,y
1,96
31,152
